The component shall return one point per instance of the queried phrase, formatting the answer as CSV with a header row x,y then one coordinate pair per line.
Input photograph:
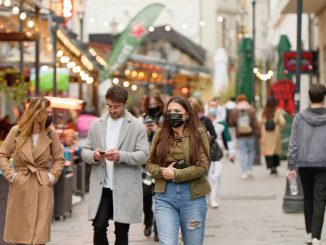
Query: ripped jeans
x,y
175,208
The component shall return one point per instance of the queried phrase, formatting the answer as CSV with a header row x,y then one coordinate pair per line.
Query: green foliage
x,y
18,91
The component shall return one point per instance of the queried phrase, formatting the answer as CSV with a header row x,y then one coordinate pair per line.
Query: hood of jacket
x,y
313,119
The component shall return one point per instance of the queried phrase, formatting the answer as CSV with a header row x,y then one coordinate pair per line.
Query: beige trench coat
x,y
271,140
30,199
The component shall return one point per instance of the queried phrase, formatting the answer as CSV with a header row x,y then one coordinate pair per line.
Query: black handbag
x,y
269,125
215,151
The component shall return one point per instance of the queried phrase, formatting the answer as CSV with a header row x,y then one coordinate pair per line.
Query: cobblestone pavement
x,y
250,212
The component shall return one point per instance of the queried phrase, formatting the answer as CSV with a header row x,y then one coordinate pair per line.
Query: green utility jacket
x,y
195,174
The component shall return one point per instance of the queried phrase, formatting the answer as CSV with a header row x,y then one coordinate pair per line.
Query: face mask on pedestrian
x,y
212,112
48,121
175,120
153,110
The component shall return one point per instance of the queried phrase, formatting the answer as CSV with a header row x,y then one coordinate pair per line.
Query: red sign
x,y
309,62
283,91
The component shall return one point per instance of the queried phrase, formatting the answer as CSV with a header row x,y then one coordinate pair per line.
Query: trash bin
x,y
293,203
63,196
4,186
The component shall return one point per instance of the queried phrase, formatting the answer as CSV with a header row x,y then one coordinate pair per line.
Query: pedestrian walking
x,y
116,147
179,161
243,117
307,149
271,122
32,144
153,119
224,141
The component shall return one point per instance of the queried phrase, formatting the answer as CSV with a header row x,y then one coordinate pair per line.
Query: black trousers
x,y
148,192
272,161
101,222
314,192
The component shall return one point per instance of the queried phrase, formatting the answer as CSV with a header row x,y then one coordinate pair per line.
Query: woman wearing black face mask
x,y
179,160
152,118
31,143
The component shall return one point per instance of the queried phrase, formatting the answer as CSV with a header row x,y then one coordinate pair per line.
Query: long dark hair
x,y
270,108
166,136
157,97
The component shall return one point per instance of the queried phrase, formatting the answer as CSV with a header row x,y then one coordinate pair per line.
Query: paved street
x,y
250,213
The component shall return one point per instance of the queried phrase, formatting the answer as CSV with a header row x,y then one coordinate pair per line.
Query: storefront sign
x,y
283,91
309,62
131,37
46,79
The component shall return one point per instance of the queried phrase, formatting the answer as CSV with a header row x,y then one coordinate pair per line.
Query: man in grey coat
x,y
307,153
116,147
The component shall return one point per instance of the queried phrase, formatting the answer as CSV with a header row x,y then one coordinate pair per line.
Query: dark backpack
x,y
270,125
216,151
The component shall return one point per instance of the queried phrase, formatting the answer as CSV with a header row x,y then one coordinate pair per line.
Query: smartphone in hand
x,y
102,153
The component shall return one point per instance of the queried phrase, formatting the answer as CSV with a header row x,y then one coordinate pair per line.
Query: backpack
x,y
216,151
244,122
270,125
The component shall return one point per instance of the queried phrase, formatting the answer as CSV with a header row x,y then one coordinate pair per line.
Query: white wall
x,y
183,15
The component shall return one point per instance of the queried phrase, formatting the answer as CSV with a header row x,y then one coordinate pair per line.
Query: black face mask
x,y
175,120
153,110
48,121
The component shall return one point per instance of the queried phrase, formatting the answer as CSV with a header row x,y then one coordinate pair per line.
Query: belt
x,y
33,169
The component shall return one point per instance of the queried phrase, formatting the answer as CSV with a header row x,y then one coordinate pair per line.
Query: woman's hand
x,y
168,173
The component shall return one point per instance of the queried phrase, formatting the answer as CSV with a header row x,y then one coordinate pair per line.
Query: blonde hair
x,y
196,105
36,110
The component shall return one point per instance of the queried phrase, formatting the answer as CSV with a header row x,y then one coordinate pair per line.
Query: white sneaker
x,y
316,241
214,204
244,176
308,238
250,175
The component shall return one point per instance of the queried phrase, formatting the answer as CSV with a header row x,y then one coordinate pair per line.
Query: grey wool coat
x,y
127,182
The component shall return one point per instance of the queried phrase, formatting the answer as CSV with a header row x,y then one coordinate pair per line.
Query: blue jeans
x,y
247,153
175,208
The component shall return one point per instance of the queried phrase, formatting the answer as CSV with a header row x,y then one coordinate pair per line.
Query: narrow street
x,y
250,212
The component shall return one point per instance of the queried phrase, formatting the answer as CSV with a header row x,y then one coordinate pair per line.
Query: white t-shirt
x,y
113,127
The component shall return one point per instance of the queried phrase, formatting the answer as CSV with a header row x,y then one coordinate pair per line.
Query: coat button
x,y
101,183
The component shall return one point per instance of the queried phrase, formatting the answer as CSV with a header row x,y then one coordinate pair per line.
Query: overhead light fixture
x,y
115,80
167,28
15,10
65,103
23,16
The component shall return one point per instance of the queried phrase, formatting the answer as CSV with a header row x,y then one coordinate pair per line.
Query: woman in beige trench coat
x,y
271,137
32,144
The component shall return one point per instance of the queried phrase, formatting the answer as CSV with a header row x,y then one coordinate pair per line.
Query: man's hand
x,y
112,155
291,174
97,155
232,158
168,173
